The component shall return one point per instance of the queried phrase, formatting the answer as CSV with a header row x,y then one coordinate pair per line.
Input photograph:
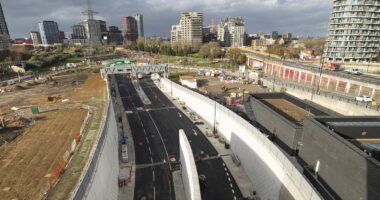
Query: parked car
x,y
364,99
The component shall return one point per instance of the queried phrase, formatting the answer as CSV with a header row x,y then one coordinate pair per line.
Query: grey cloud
x,y
302,17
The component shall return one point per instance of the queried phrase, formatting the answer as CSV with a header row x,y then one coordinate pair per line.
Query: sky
x,y
300,17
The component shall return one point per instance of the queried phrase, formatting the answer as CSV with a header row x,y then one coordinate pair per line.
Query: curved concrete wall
x,y
104,184
189,169
99,179
271,172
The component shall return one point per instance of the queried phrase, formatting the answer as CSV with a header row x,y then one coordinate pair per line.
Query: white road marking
x,y
235,198
231,185
233,191
224,164
195,133
150,151
154,193
225,169
179,114
227,174
151,159
153,176
229,179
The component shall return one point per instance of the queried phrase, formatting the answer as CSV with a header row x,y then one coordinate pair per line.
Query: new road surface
x,y
155,129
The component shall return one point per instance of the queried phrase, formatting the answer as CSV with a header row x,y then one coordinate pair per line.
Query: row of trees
x,y
160,47
210,50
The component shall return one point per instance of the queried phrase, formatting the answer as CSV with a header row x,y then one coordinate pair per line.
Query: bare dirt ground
x,y
30,153
288,108
28,162
213,87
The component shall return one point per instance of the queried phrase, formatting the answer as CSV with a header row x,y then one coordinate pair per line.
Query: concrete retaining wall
x,y
271,172
189,169
344,108
104,183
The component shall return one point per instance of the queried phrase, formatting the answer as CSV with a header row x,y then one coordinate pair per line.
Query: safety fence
x,y
269,169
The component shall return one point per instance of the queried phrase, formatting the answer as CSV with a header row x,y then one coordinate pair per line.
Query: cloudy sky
x,y
301,17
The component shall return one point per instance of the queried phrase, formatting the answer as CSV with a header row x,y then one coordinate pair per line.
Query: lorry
x,y
331,66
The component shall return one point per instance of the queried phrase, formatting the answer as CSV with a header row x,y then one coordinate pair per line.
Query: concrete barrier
x,y
189,170
269,169
104,184
344,108
99,178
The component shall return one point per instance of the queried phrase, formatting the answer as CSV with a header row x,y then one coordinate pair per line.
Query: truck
x,y
331,66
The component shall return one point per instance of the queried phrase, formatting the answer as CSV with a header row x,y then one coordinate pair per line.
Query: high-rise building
x,y
93,31
130,29
79,32
4,33
353,35
114,35
189,30
275,35
140,24
36,37
49,32
231,31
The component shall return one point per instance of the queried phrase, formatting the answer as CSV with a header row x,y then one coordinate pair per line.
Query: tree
x,y
233,54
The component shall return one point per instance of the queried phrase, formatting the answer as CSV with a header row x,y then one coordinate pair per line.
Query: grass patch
x,y
72,60
176,75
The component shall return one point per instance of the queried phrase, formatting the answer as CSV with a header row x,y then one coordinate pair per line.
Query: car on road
x,y
353,71
363,99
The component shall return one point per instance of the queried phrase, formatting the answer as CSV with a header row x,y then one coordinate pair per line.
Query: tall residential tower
x,y
354,32
140,24
49,32
231,31
189,30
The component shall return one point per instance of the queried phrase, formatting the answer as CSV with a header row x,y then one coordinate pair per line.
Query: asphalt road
x,y
155,131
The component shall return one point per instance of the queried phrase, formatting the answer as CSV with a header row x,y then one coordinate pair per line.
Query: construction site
x,y
48,126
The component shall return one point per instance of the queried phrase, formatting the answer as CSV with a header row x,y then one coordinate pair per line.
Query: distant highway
x,y
155,131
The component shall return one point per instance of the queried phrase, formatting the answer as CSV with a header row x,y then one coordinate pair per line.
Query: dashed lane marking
x,y
195,133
